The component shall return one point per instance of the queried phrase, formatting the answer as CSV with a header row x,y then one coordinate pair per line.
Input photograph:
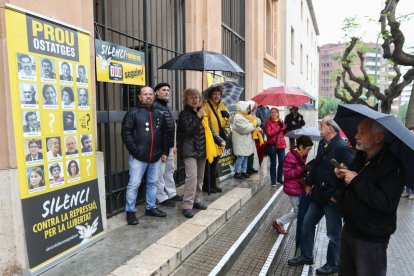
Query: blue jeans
x,y
137,170
333,228
280,153
304,202
241,164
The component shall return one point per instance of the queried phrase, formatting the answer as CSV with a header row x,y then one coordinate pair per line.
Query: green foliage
x,y
327,105
362,47
351,27
402,115
336,57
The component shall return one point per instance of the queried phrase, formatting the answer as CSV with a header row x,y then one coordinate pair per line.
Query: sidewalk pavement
x,y
158,245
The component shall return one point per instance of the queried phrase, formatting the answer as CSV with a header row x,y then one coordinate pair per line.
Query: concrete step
x,y
168,252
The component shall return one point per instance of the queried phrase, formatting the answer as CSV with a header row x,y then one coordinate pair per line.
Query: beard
x,y
363,147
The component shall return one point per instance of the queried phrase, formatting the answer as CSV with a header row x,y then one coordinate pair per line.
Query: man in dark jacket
x,y
166,191
293,121
326,192
374,184
144,135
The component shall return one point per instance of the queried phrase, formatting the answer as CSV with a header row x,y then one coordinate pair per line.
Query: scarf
x,y
211,151
256,134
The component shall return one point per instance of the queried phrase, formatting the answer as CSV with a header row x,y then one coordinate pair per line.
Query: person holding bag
x,y
218,118
276,144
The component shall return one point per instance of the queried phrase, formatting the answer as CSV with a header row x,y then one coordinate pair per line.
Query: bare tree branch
x,y
398,55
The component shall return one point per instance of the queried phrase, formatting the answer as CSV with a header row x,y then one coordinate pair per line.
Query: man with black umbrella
x,y
374,183
326,193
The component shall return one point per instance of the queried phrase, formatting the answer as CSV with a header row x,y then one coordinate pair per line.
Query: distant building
x,y
377,68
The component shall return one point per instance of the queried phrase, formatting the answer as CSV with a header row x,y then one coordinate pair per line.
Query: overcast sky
x,y
331,13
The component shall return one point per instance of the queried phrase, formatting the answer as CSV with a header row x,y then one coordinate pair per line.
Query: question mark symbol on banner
x,y
88,120
88,161
52,121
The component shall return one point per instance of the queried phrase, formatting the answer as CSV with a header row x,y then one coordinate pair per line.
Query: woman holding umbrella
x,y
275,131
218,118
195,143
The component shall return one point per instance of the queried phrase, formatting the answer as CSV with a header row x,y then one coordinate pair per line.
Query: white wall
x,y
270,81
290,16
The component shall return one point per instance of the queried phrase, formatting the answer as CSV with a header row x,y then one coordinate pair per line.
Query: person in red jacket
x,y
275,131
294,171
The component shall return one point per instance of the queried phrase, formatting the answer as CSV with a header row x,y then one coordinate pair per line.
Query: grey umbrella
x,y
312,132
202,61
399,138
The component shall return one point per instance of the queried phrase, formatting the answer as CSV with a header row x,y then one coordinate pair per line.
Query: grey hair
x,y
333,124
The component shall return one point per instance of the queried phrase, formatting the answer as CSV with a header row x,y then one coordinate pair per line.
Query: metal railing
x,y
157,28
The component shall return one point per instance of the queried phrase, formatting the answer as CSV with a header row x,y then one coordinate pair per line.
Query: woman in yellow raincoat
x,y
218,118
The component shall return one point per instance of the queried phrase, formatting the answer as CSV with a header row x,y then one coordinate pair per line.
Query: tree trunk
x,y
409,121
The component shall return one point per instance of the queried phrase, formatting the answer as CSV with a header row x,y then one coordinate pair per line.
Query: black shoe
x,y
245,175
281,182
168,203
177,198
238,176
188,213
131,218
327,269
200,206
155,212
252,171
219,190
212,191
299,261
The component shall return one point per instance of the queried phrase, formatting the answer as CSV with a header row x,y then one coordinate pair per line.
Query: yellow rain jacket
x,y
211,151
212,119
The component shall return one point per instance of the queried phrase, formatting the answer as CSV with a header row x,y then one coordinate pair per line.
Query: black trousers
x,y
360,258
210,174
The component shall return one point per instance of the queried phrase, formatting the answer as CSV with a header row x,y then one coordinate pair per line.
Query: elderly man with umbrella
x,y
374,183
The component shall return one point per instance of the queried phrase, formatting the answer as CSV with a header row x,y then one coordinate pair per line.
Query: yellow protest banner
x,y
49,69
118,64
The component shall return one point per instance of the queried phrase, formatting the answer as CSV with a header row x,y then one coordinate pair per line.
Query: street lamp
x,y
376,70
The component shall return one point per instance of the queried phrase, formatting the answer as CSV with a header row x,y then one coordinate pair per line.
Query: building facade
x,y
162,30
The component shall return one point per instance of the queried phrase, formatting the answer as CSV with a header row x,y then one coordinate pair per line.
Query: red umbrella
x,y
281,96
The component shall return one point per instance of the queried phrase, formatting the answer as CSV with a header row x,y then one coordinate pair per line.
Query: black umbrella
x,y
400,139
202,61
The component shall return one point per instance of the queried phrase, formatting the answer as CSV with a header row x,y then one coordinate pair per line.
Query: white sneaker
x,y
411,197
404,194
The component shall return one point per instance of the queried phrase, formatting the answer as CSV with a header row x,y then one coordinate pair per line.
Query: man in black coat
x,y
293,121
144,135
326,191
166,191
374,184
